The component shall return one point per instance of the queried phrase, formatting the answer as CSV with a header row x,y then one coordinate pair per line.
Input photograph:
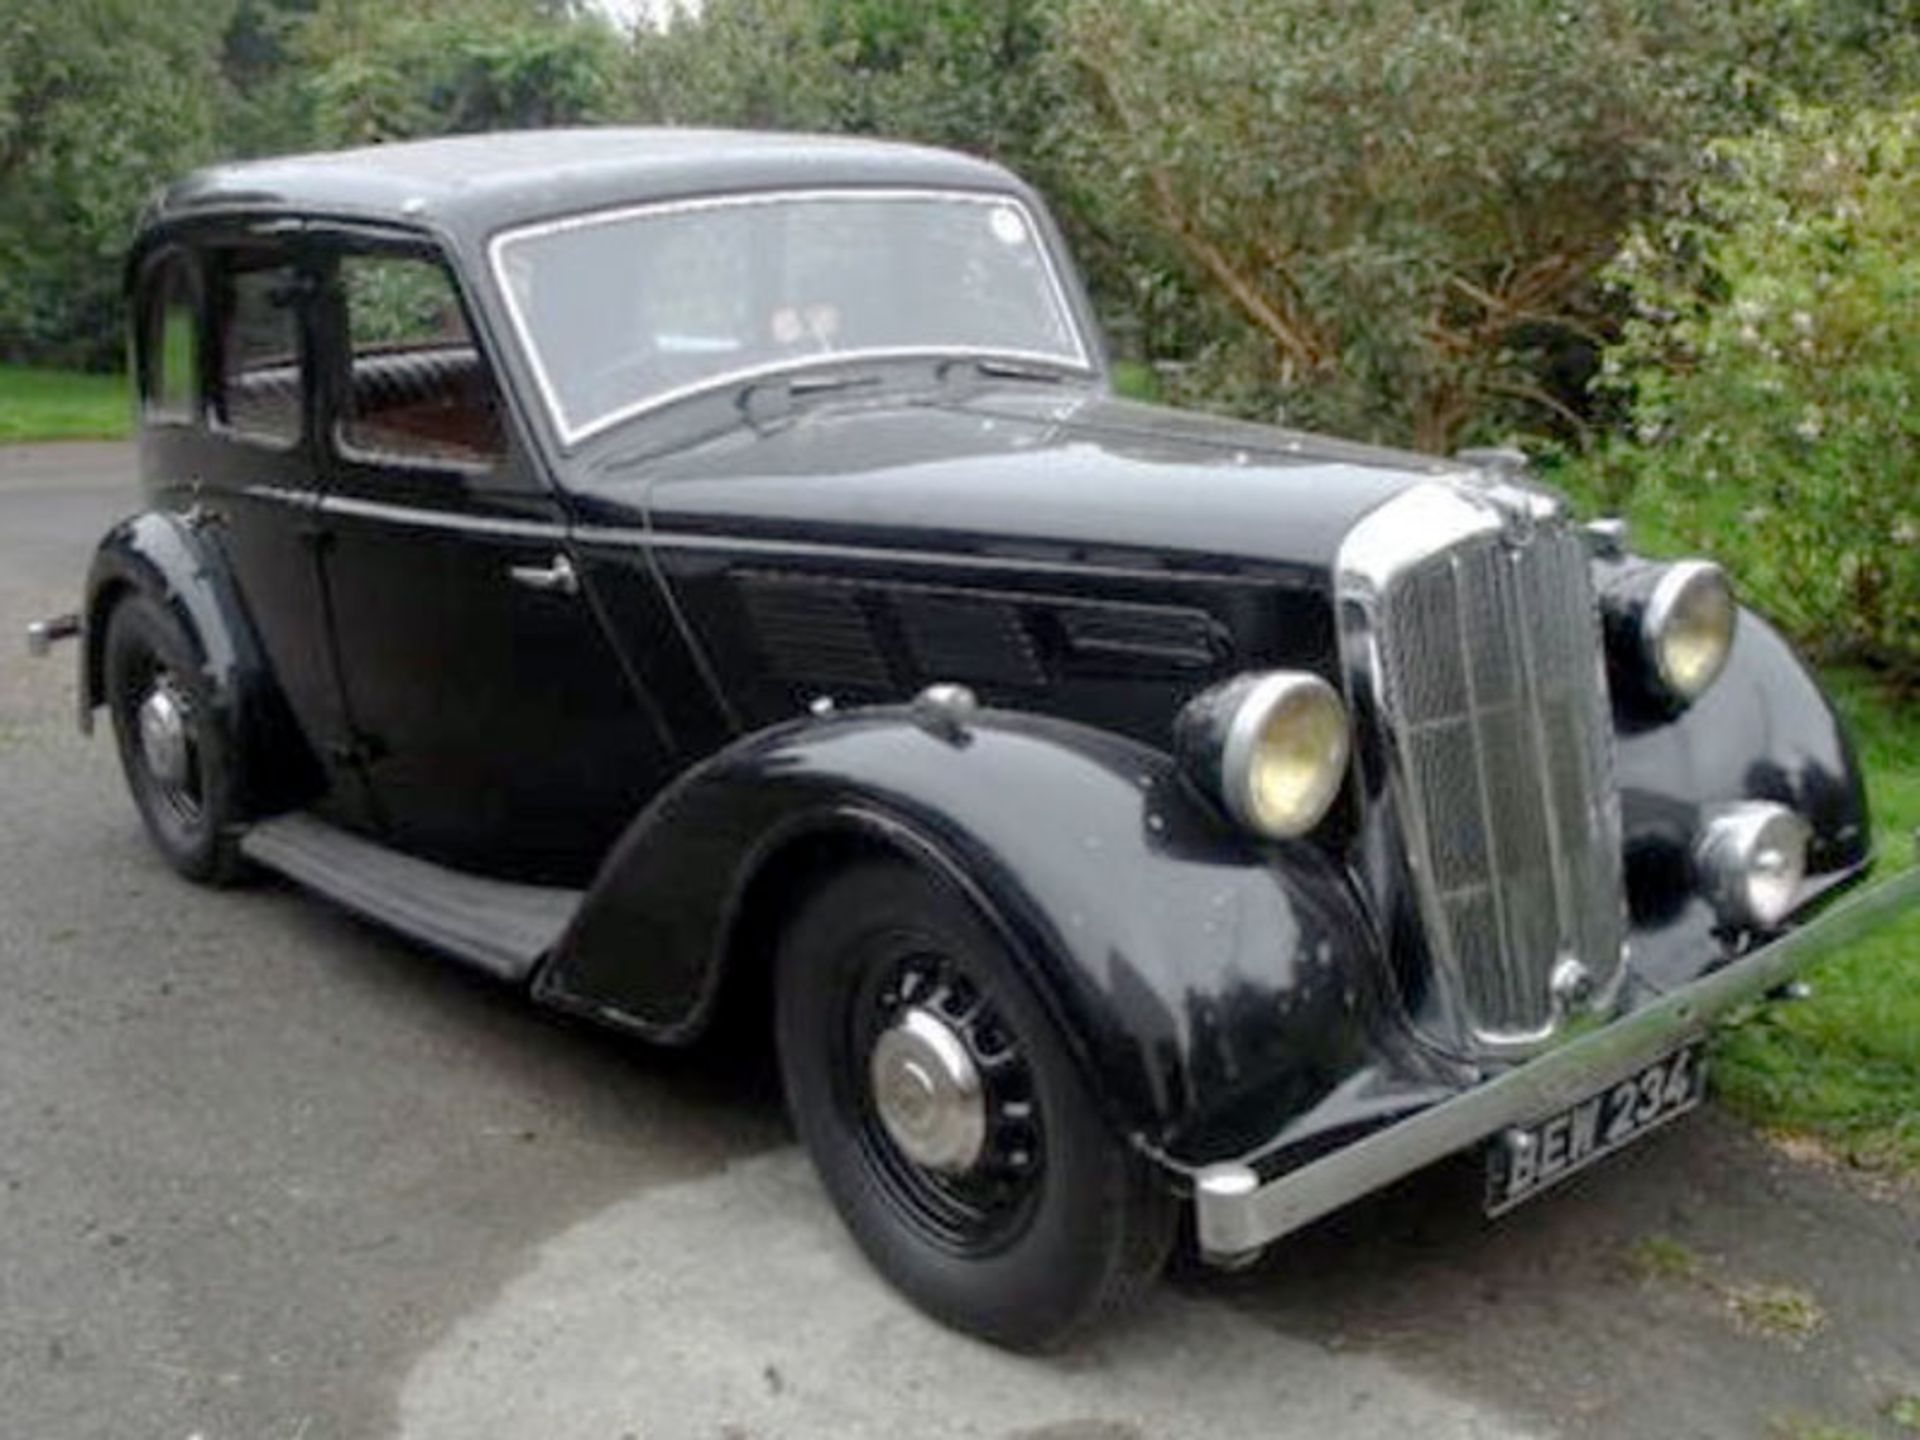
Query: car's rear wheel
x,y
177,761
950,1126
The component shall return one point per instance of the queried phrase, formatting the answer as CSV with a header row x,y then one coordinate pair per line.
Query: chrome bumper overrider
x,y
1237,1213
43,634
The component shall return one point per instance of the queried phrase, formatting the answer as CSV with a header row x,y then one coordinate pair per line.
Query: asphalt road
x,y
267,1173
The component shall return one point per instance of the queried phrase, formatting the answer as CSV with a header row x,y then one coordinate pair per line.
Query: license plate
x,y
1523,1161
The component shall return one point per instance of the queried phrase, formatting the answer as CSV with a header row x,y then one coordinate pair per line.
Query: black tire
x,y
1022,1255
191,820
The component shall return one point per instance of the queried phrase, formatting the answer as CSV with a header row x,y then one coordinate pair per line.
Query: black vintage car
x,y
681,572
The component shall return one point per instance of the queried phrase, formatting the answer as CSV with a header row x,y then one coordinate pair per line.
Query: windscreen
x,y
627,310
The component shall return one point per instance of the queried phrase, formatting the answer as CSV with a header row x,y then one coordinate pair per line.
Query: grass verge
x,y
62,405
1844,1066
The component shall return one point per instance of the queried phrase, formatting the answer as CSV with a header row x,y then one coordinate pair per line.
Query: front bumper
x,y
1237,1212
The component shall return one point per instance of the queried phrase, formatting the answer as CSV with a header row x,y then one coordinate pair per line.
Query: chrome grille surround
x,y
1470,632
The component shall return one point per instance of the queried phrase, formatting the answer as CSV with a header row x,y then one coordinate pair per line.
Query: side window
x,y
418,388
170,345
257,312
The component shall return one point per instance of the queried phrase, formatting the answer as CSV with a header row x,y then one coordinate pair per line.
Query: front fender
x,y
1209,986
1764,731
162,555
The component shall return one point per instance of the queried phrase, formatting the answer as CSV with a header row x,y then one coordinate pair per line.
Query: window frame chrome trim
x,y
571,435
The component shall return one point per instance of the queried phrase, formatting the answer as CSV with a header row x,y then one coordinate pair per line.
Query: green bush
x,y
1772,368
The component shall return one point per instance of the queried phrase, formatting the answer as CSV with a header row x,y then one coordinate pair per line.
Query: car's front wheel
x,y
951,1128
175,755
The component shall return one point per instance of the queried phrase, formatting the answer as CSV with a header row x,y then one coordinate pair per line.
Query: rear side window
x,y
258,312
170,383
418,388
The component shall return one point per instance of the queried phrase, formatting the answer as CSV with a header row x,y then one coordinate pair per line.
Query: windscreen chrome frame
x,y
570,435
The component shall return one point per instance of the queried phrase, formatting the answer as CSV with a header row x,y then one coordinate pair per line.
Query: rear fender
x,y
162,555
1209,987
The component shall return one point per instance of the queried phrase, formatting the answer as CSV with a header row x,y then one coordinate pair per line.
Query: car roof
x,y
477,184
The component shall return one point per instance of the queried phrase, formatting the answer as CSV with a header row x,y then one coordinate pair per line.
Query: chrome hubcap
x,y
163,735
927,1092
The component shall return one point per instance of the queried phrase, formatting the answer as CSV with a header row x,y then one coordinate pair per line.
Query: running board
x,y
501,928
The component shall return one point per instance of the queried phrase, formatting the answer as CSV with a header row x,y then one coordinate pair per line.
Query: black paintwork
x,y
1764,731
477,184
1211,983
1086,564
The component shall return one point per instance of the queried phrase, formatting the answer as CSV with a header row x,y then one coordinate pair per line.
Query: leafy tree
x,y
99,101
377,71
1385,201
961,73
265,107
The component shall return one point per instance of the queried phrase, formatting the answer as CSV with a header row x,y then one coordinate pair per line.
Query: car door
x,y
492,718
229,442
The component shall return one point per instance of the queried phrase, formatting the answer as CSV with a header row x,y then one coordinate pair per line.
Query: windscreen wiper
x,y
773,398
995,367
1020,370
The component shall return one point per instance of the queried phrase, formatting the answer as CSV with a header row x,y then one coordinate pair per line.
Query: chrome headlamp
x,y
1669,627
1686,630
1271,747
1752,858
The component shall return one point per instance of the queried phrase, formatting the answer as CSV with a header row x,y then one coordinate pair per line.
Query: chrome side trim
x,y
441,519
571,435
1237,1213
281,495
607,535
880,554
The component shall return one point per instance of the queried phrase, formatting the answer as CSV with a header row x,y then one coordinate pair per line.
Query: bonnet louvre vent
x,y
887,636
814,630
1181,639
967,637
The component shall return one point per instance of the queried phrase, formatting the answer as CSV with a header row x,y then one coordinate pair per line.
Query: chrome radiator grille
x,y
1482,653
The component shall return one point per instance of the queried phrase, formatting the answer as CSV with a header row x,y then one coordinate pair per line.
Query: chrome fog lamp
x,y
1272,748
1752,859
1686,629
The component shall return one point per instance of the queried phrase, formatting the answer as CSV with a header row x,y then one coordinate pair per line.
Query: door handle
x,y
558,578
